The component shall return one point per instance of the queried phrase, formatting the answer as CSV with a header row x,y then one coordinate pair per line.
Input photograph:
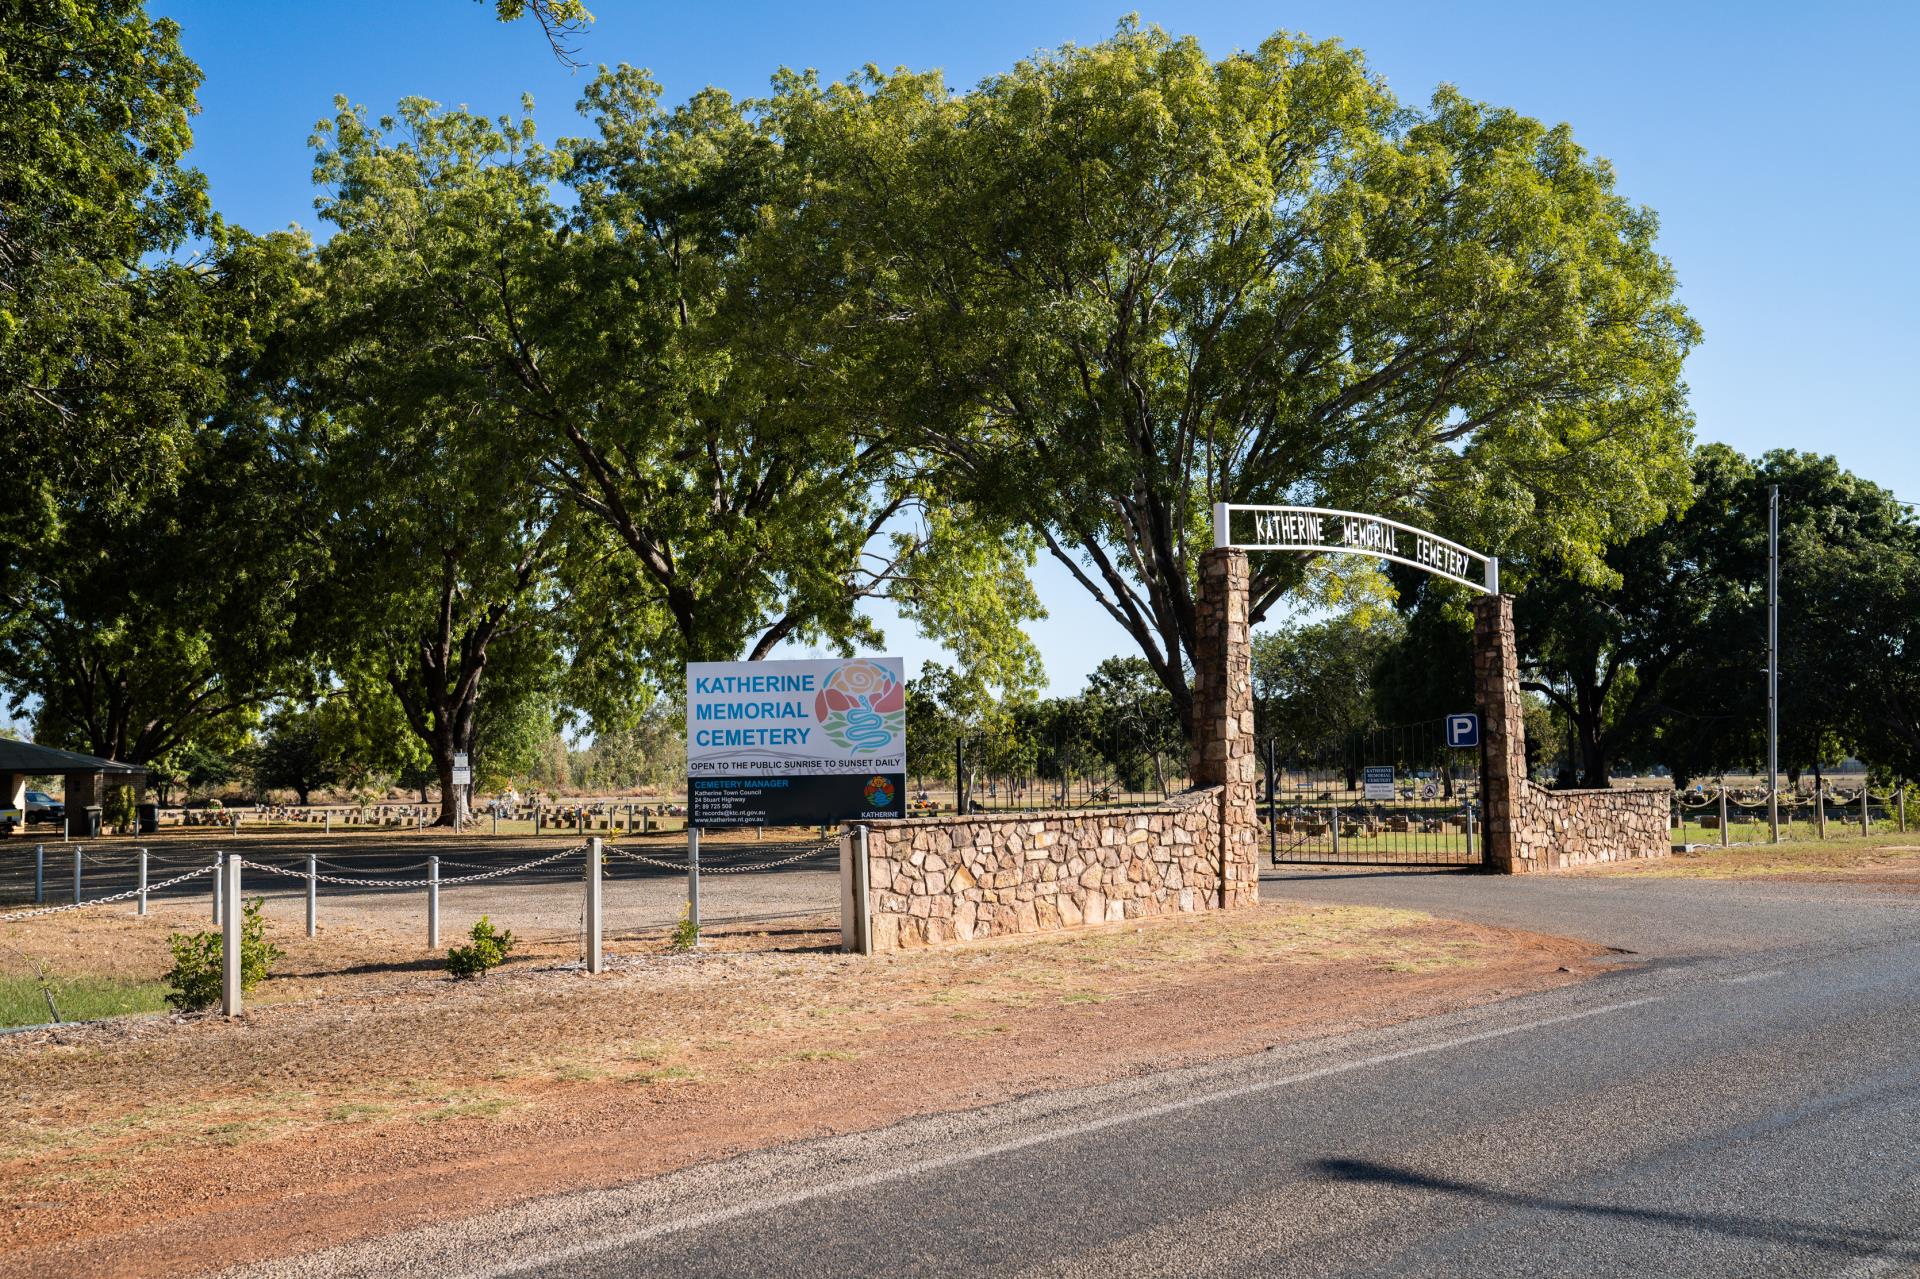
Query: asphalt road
x,y
1748,1103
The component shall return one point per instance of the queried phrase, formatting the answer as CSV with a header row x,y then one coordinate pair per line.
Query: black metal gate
x,y
1394,796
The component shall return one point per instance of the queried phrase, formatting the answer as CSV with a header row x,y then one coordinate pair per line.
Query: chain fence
x,y
553,886
720,867
1715,811
15,916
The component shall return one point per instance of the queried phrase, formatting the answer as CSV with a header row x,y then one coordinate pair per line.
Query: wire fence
x,y
608,816
1131,760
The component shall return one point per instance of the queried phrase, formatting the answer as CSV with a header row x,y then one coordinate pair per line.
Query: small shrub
x,y
686,933
196,977
488,949
119,811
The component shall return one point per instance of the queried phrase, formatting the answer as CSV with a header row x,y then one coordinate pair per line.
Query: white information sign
x,y
1378,779
462,773
828,717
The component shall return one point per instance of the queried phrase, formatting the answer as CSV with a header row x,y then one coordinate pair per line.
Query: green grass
x,y
78,999
1796,826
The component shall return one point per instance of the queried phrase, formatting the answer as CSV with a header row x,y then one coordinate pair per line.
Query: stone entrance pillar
x,y
1496,683
1223,752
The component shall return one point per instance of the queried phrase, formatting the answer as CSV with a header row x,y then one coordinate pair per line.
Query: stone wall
x,y
940,879
1577,827
1530,827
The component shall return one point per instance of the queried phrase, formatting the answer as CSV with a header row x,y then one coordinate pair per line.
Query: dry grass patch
x,y
131,1121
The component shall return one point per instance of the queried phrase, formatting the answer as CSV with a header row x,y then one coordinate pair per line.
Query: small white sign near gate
x,y
462,772
1378,780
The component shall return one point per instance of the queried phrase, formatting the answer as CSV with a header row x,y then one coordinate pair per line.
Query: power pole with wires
x,y
1773,662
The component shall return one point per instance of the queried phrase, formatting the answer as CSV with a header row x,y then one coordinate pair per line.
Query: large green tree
x,y
650,387
1669,665
1122,282
139,621
98,385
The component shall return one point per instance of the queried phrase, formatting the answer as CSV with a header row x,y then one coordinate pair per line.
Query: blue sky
x,y
1771,139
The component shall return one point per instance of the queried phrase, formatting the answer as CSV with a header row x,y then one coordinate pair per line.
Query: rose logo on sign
x,y
862,707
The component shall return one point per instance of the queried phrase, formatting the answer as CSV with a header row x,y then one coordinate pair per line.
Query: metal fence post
x,y
863,896
1820,802
1903,808
596,922
1723,815
219,882
1866,821
141,909
693,875
1334,828
78,851
39,874
230,937
1273,814
433,903
313,894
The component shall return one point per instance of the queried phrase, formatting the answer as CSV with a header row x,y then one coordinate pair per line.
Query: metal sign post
x,y
693,876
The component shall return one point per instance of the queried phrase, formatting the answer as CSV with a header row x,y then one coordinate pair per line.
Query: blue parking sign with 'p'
x,y
1463,730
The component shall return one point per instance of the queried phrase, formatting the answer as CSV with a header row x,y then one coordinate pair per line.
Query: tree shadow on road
x,y
1885,1244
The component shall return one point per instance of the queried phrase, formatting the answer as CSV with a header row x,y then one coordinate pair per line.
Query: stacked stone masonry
x,y
1559,828
1530,827
943,879
957,878
1224,753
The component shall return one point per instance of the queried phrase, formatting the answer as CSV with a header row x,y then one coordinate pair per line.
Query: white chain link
x,y
716,868
10,916
417,883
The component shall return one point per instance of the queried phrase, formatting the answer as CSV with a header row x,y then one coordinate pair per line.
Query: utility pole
x,y
1773,662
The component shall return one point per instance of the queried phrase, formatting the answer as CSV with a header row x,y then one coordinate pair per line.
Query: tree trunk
x,y
1596,771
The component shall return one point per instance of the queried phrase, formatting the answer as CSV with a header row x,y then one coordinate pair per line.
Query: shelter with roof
x,y
84,776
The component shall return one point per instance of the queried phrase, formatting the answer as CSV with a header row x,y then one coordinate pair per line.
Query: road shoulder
x,y
166,1151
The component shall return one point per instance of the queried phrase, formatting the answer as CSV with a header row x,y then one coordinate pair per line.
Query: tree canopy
x,y
1122,282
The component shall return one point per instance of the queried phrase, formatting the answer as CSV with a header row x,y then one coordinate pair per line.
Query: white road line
x,y
1747,977
773,1203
